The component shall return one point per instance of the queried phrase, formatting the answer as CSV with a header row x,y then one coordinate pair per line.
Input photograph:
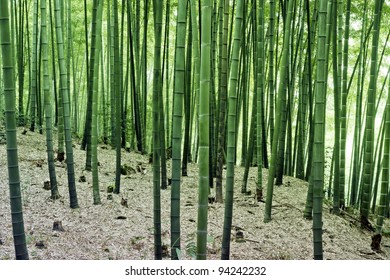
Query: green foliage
x,y
191,249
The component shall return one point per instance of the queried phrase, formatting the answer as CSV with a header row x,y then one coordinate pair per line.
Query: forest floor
x,y
113,230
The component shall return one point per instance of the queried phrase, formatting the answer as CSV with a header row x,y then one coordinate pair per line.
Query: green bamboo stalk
x,y
222,103
231,137
344,94
21,68
74,76
87,135
370,120
53,64
163,154
48,104
34,58
311,25
187,103
358,119
29,51
340,13
168,117
317,176
204,126
134,57
12,148
110,57
260,94
212,103
157,90
279,106
95,99
271,69
252,143
64,93
89,68
337,87
383,198
244,86
302,102
104,101
59,120
251,48
69,56
179,91
144,70
118,98
377,165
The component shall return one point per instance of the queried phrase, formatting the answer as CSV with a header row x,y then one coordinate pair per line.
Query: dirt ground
x,y
113,230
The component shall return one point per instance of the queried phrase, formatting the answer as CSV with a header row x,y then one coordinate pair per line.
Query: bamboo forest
x,y
194,129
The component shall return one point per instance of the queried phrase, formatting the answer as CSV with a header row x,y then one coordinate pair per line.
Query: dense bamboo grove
x,y
297,87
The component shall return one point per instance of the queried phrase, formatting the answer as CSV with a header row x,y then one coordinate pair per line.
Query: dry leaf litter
x,y
113,231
